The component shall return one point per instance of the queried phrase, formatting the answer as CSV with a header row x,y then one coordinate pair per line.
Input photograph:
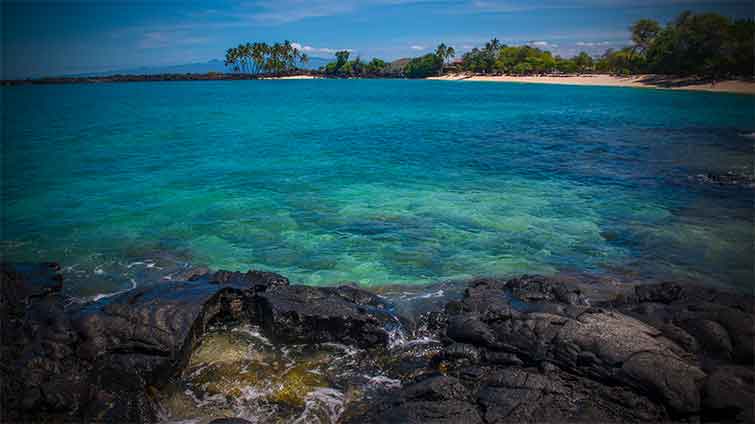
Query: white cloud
x,y
508,6
310,49
161,39
274,12
542,44
417,47
285,11
593,43
500,6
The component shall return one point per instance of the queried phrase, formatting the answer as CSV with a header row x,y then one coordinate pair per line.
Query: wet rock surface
x,y
301,314
530,349
535,349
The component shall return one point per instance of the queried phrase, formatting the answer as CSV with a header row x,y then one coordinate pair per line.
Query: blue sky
x,y
60,37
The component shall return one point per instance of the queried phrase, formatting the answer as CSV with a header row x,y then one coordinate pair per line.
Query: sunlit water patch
x,y
376,182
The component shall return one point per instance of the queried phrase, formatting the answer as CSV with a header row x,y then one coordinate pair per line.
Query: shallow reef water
x,y
376,182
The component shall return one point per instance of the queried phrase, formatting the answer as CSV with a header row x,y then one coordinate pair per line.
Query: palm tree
x,y
490,52
644,32
258,55
248,57
241,54
232,59
293,56
450,52
444,52
288,52
493,45
357,66
342,56
274,61
441,52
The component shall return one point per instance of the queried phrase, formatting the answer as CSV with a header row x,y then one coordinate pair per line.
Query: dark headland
x,y
210,76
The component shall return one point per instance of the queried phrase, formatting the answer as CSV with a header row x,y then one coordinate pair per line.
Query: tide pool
x,y
375,181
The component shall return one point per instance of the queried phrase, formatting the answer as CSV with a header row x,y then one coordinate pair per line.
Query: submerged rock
x,y
729,178
294,385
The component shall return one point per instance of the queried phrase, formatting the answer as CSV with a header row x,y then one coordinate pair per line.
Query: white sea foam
x,y
253,331
70,268
396,337
252,393
327,400
348,350
422,340
106,295
438,293
382,380
216,399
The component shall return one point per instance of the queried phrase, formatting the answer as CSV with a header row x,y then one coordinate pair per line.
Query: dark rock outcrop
x,y
437,399
97,362
230,421
40,372
534,349
301,314
531,349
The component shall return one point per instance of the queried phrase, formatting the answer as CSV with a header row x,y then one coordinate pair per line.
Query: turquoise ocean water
x,y
375,181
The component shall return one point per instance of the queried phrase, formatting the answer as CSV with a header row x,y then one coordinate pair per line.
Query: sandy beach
x,y
292,77
636,81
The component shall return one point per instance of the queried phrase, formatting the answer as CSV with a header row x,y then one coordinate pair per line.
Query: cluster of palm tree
x,y
259,58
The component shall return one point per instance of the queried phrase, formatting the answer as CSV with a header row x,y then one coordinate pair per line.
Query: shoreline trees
x,y
424,66
445,52
345,68
705,44
261,58
419,67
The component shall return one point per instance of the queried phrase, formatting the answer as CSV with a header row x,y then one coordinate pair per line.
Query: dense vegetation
x,y
258,58
343,67
419,67
693,44
346,68
705,44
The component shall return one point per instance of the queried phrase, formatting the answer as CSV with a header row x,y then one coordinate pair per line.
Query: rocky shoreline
x,y
530,349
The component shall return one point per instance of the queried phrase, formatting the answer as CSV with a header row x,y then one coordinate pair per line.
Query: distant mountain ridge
x,y
215,65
